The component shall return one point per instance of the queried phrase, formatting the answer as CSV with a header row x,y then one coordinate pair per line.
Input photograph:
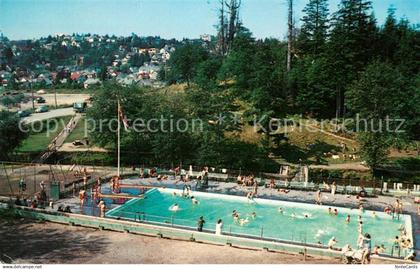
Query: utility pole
x,y
55,96
32,93
290,36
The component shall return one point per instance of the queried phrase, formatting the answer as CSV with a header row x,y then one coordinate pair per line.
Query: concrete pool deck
x,y
341,200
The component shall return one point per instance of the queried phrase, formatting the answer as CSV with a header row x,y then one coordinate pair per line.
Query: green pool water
x,y
268,223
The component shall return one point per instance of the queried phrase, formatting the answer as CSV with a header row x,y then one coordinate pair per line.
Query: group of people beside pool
x,y
245,181
364,245
248,181
402,243
95,195
364,239
201,222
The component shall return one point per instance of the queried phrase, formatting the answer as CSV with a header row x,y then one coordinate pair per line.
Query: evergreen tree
x,y
408,51
184,62
389,36
352,45
236,66
313,33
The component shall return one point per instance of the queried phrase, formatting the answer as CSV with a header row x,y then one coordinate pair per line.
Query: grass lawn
x,y
39,141
302,143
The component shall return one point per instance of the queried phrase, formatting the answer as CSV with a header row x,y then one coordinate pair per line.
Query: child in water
x,y
235,216
348,219
242,222
174,207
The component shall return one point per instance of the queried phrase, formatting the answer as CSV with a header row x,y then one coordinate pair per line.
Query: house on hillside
x,y
91,82
75,75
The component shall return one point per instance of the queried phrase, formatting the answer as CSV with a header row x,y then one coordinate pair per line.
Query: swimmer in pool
x,y
330,211
242,222
281,210
348,219
254,215
332,242
360,229
306,216
194,200
335,211
235,216
174,194
374,215
174,207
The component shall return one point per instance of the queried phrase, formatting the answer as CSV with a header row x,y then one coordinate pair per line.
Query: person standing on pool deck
x,y
255,191
102,208
367,248
219,226
82,197
318,198
333,188
200,223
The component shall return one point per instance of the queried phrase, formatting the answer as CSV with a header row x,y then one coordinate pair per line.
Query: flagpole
x,y
118,138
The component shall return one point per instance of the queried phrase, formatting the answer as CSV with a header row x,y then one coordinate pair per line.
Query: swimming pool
x,y
268,224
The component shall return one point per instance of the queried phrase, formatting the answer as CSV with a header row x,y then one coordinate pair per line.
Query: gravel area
x,y
27,242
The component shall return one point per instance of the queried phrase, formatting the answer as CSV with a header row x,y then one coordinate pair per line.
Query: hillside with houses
x,y
80,61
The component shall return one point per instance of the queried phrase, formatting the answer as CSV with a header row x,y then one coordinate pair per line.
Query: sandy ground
x,y
26,242
62,99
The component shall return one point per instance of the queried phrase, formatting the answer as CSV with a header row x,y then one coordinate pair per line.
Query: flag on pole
x,y
123,117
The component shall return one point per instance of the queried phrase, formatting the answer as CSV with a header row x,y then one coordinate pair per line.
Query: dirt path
x,y
329,133
357,166
61,137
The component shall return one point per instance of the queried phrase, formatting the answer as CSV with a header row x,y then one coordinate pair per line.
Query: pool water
x,y
319,227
